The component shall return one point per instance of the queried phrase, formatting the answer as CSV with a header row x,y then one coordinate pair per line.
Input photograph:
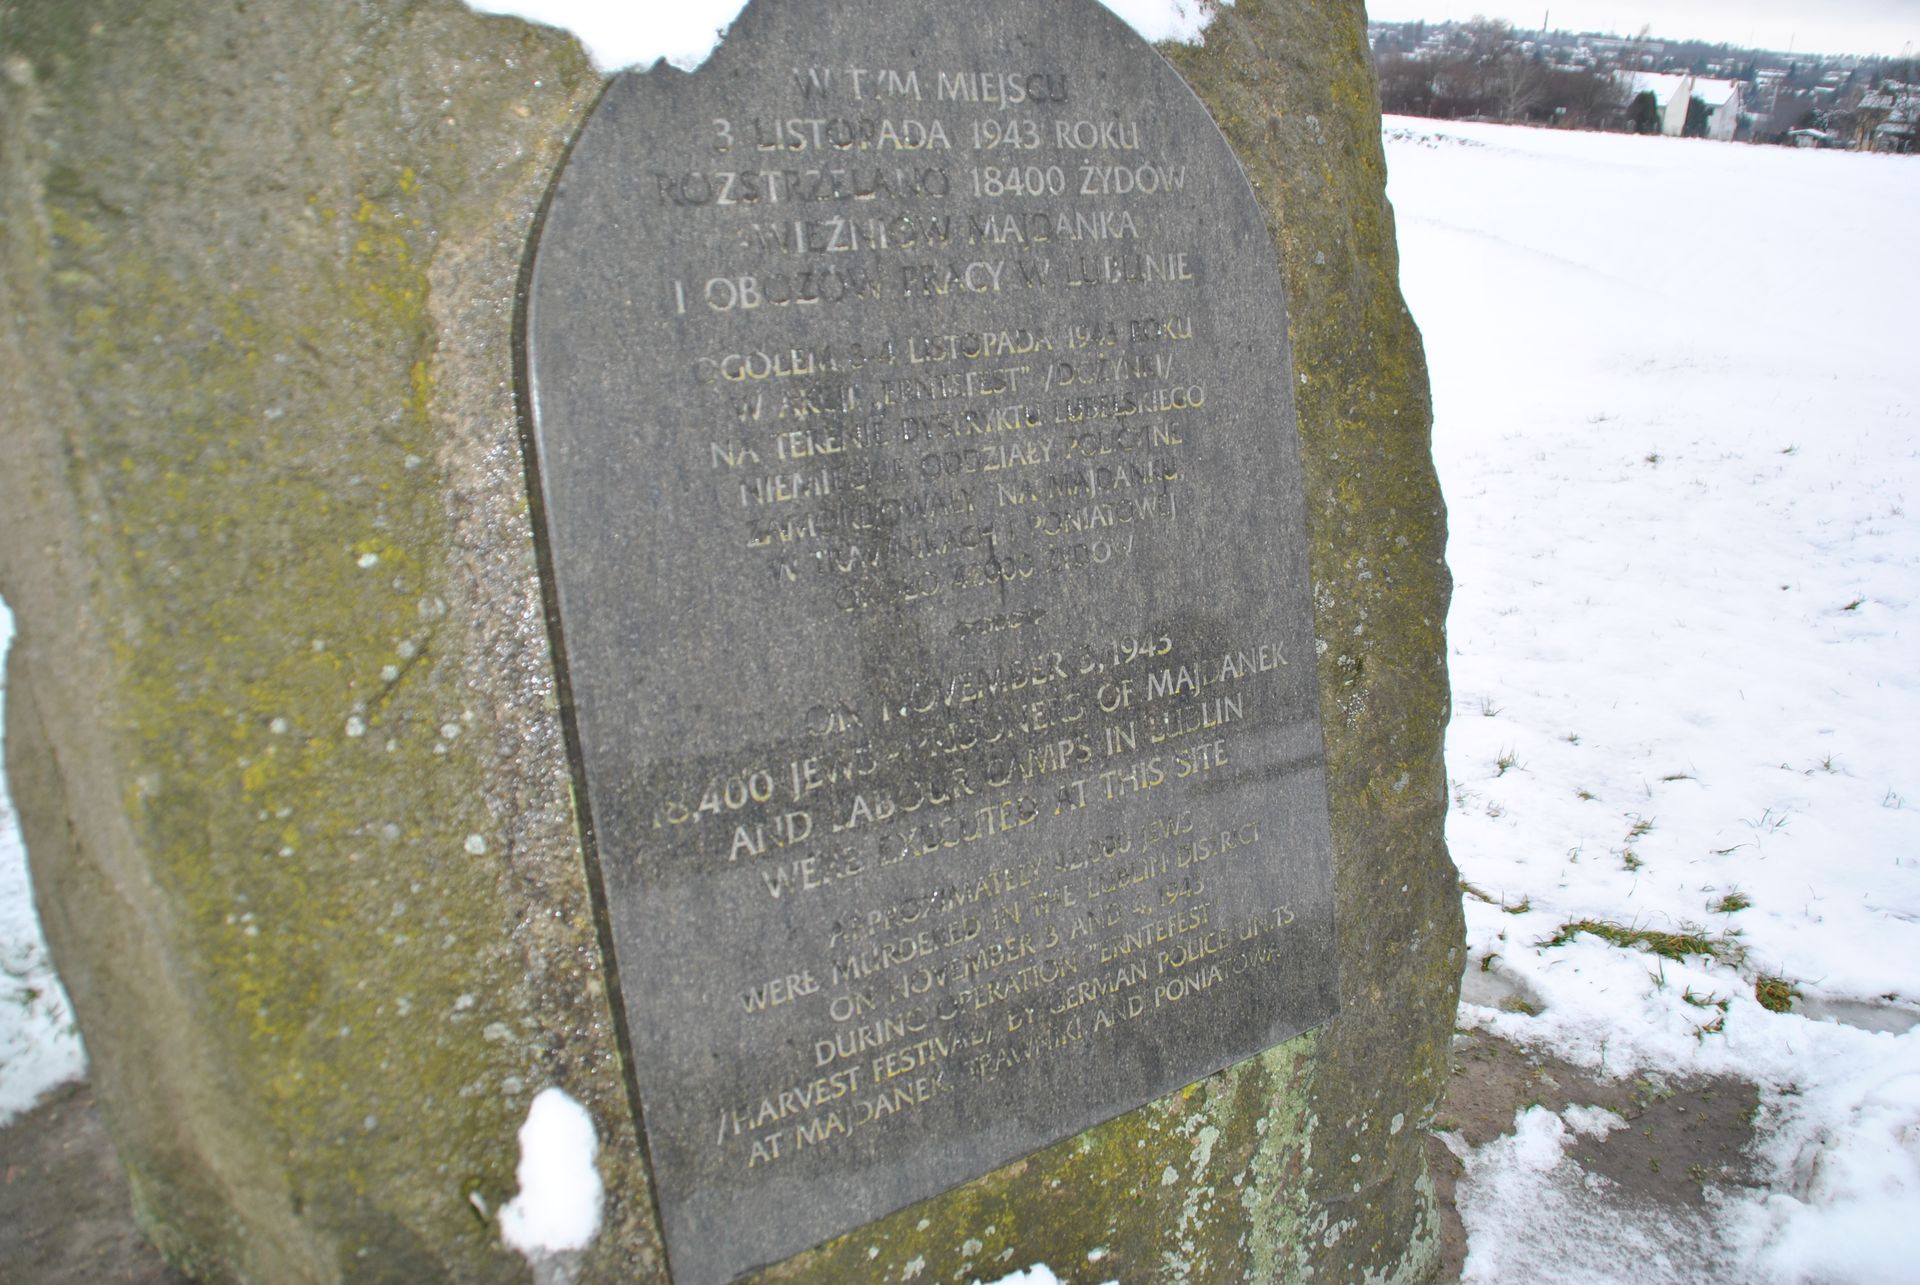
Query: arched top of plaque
x,y
920,490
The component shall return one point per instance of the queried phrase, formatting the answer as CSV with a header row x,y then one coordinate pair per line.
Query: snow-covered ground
x,y
1678,425
1677,421
39,1048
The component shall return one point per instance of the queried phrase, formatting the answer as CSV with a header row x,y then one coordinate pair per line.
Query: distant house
x,y
1724,99
1673,96
1898,133
1886,118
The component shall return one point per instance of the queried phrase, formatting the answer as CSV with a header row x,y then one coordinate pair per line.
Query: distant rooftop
x,y
1663,86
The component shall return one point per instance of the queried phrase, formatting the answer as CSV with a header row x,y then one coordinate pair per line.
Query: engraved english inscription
x,y
913,421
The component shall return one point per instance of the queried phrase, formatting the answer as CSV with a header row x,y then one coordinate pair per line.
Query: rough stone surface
x,y
281,712
256,395
1292,88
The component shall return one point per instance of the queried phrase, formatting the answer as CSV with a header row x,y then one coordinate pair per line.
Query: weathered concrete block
x,y
282,724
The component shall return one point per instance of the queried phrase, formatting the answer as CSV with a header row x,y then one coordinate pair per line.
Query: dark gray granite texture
x,y
921,497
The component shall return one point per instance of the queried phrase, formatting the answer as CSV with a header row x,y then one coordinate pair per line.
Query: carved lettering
x,y
925,526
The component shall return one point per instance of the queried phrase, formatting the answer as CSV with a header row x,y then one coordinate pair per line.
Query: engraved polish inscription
x,y
919,483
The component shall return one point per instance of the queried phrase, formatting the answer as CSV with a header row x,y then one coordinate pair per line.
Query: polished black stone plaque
x,y
921,499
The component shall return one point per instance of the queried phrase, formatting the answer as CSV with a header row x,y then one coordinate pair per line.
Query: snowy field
x,y
1678,425
1677,403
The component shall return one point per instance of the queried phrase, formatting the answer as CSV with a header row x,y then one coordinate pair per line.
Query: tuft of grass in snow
x,y
1670,945
1776,994
1718,1024
1732,903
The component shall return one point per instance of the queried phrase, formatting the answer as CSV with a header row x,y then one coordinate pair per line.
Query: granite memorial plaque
x,y
920,492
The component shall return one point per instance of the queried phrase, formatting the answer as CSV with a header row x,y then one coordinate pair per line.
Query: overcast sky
x,y
620,33
1805,26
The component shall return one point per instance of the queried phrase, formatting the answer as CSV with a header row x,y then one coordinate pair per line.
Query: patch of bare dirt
x,y
1683,1136
65,1215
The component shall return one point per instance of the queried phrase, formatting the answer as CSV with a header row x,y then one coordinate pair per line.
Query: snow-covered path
x,y
1678,427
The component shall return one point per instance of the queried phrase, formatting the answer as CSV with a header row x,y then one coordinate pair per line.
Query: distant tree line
x,y
1485,70
1483,73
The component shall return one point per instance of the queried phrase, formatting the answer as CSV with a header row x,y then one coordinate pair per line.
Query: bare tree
x,y
1406,86
1516,82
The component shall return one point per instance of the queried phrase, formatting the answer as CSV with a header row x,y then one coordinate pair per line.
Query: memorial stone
x,y
300,775
915,431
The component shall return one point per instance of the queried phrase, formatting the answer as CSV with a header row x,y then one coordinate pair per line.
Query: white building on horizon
x,y
1674,92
